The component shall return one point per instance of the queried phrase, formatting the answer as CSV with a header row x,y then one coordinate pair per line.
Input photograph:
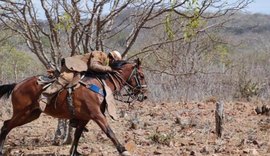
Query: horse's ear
x,y
138,62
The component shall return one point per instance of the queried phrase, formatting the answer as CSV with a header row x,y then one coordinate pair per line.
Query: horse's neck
x,y
116,82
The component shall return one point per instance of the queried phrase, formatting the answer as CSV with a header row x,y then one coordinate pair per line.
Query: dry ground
x,y
148,129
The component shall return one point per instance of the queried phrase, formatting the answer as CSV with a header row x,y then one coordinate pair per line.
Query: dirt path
x,y
156,129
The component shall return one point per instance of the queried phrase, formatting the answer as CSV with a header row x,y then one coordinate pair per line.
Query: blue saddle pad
x,y
96,89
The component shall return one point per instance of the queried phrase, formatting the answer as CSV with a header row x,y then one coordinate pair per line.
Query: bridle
x,y
132,92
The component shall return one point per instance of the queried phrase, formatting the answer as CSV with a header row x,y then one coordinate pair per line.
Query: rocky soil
x,y
148,129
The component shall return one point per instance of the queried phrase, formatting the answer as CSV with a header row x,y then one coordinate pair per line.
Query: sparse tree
x,y
53,29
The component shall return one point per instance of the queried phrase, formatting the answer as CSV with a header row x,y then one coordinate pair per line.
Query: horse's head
x,y
132,74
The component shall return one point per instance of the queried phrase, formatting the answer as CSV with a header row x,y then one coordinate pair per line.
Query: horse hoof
x,y
125,153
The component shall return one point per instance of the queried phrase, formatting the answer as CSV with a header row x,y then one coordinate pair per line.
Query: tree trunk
x,y
63,133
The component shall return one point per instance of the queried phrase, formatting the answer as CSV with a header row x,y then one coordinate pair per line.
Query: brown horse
x,y
87,104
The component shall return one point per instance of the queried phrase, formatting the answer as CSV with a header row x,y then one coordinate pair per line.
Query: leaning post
x,y
219,118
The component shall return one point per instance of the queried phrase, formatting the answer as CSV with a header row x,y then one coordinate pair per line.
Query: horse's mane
x,y
118,64
92,74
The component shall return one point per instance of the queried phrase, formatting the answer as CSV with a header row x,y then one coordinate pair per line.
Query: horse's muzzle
x,y
143,88
142,91
142,97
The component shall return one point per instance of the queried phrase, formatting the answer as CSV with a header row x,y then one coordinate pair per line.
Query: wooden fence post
x,y
219,117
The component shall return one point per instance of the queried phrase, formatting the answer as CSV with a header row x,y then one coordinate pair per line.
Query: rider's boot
x,y
47,94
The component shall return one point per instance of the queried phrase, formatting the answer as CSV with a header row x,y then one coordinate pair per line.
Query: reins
x,y
130,90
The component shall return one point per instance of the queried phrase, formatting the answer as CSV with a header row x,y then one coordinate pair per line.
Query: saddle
x,y
45,81
86,81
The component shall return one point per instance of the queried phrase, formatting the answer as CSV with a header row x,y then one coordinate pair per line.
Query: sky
x,y
259,6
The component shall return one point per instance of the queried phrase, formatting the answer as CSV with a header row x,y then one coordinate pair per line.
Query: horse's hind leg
x,y
3,135
77,135
18,119
103,124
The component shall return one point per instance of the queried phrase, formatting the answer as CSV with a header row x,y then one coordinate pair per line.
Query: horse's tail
x,y
6,90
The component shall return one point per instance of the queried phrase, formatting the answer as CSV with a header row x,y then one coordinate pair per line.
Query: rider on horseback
x,y
96,61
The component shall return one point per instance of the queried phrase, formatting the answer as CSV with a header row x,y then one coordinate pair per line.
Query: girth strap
x,y
70,102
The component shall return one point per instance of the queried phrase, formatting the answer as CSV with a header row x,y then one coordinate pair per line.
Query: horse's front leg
x,y
77,136
101,120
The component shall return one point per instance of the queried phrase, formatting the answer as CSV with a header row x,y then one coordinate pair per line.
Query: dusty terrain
x,y
148,129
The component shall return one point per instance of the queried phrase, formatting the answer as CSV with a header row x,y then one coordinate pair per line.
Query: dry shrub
x,y
161,138
249,89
